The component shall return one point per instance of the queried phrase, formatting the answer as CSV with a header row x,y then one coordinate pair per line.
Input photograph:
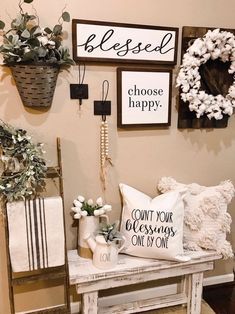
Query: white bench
x,y
132,270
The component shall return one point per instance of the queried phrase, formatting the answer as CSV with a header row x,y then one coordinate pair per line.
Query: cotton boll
x,y
228,110
185,87
209,45
232,91
218,115
201,95
184,97
215,54
206,56
232,67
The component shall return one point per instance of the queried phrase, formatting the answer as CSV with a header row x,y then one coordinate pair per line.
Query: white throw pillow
x,y
206,219
153,228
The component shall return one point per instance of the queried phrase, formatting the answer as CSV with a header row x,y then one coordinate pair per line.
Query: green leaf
x,y
35,30
28,1
33,42
29,55
16,22
66,16
47,30
42,52
15,39
57,29
2,24
31,17
25,34
9,38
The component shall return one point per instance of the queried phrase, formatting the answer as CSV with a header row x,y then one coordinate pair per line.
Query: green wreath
x,y
23,166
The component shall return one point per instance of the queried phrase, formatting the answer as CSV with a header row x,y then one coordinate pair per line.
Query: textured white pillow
x,y
206,219
153,228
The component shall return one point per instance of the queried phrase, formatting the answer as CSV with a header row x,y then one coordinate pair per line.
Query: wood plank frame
x,y
122,105
134,48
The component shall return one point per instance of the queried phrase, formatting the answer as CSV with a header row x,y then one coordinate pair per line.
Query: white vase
x,y
87,226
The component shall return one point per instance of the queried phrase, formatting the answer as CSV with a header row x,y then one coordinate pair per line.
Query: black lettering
x,y
130,91
123,49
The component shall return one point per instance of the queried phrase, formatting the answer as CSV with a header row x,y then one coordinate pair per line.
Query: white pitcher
x,y
105,255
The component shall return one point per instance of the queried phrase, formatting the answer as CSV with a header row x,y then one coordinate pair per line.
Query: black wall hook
x,y
80,90
103,107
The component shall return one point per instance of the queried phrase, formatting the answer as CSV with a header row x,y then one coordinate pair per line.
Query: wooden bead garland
x,y
104,150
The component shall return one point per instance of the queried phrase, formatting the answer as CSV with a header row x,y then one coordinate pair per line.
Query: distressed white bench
x,y
132,270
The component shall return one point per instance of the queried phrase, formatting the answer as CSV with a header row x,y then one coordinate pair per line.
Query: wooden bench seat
x,y
133,270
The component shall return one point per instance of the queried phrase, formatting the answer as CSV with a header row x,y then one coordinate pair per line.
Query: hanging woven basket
x,y
35,83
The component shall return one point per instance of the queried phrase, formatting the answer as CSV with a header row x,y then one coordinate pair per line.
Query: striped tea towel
x,y
36,233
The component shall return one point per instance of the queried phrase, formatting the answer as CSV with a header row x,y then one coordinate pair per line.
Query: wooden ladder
x,y
46,274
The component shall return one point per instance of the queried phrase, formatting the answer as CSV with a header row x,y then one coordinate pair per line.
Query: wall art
x,y
206,77
117,42
144,97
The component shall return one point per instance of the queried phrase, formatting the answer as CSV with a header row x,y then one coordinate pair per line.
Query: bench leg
x,y
195,293
90,303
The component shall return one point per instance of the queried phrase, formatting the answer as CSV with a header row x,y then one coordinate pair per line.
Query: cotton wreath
x,y
213,45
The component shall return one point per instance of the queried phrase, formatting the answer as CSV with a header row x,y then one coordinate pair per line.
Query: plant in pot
x,y
34,55
105,245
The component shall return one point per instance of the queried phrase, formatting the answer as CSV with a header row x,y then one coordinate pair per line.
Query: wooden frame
x,y
118,42
143,97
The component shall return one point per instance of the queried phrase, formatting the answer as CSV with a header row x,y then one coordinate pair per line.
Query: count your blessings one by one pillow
x,y
153,228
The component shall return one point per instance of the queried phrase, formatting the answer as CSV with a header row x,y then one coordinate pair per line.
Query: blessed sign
x,y
116,42
144,97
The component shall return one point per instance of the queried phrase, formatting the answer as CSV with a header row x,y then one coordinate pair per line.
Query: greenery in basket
x,y
27,42
23,165
109,232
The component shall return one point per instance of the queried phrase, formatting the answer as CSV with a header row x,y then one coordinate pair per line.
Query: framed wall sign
x,y
118,42
143,97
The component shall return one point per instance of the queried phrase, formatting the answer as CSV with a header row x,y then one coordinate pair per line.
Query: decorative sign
x,y
152,227
144,97
117,42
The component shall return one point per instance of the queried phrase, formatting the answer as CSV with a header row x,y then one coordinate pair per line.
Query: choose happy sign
x,y
153,227
144,97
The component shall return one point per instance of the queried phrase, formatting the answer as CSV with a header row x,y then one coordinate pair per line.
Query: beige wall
x,y
140,157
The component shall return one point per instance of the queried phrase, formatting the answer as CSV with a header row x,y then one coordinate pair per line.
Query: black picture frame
x,y
144,97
